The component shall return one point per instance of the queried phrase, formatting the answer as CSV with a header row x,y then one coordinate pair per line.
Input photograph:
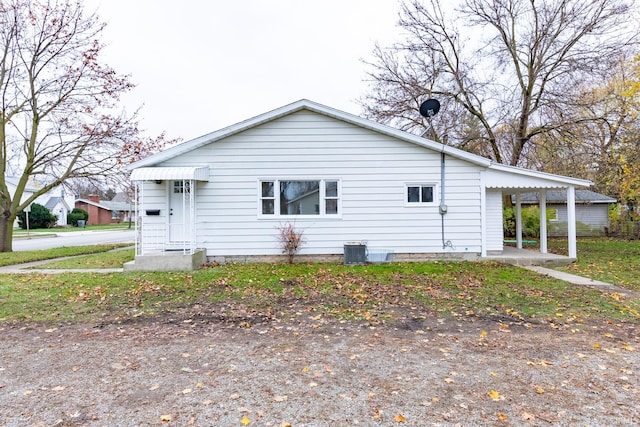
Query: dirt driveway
x,y
306,371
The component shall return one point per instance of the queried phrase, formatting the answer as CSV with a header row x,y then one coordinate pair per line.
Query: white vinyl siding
x,y
495,231
373,171
592,219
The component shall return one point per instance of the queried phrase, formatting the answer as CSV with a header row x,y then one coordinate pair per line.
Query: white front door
x,y
180,209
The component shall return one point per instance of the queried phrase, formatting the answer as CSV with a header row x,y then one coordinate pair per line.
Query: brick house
x,y
103,211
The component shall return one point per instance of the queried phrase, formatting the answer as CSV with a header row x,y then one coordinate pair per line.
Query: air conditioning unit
x,y
355,253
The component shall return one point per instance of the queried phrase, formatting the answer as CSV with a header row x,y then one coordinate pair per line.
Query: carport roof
x,y
196,173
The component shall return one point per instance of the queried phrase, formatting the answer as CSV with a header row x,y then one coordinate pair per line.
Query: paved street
x,y
79,238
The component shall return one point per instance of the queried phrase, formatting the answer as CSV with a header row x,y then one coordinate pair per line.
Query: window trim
x,y
322,196
407,203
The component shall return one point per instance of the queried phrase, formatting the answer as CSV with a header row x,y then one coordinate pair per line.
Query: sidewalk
x,y
31,267
582,281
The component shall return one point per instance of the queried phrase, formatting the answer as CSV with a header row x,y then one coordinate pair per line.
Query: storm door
x,y
181,214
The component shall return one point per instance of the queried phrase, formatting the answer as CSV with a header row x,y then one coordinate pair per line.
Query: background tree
x,y
504,70
75,215
39,217
602,145
58,117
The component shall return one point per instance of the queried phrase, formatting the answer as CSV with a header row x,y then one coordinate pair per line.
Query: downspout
x,y
443,207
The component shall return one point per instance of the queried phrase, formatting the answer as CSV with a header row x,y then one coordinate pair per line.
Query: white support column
x,y
543,221
483,217
518,221
137,219
571,222
192,216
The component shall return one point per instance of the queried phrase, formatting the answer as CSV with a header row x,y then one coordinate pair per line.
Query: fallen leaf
x,y
245,420
494,395
539,390
527,416
502,416
399,418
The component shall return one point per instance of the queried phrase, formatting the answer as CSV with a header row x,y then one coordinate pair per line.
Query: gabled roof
x,y
30,188
54,201
107,205
303,104
531,178
553,196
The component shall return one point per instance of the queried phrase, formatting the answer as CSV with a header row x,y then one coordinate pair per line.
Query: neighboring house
x,y
336,177
103,211
58,200
592,211
59,207
12,184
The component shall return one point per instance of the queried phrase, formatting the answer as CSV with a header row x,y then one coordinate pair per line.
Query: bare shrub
x,y
291,240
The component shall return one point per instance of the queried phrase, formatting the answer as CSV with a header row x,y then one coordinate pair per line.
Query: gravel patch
x,y
311,372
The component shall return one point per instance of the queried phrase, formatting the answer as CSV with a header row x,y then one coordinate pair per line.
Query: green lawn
x,y
12,258
609,260
111,259
18,232
373,293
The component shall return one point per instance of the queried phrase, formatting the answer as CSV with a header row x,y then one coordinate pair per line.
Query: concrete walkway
x,y
32,267
582,281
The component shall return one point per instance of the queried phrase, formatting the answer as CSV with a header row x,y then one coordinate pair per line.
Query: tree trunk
x,y
6,233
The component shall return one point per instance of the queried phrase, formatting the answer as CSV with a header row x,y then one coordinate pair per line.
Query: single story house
x,y
340,179
103,211
58,200
592,211
58,206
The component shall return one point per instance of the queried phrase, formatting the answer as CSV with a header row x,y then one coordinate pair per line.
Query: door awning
x,y
195,173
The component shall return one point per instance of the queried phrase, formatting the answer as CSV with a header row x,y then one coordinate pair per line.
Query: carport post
x,y
571,221
518,221
543,221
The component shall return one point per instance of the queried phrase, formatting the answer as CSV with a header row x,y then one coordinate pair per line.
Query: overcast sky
x,y
200,65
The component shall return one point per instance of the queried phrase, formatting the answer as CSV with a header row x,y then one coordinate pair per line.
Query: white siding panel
x,y
495,233
373,170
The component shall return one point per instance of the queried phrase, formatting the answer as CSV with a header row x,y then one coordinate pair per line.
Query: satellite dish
x,y
429,108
